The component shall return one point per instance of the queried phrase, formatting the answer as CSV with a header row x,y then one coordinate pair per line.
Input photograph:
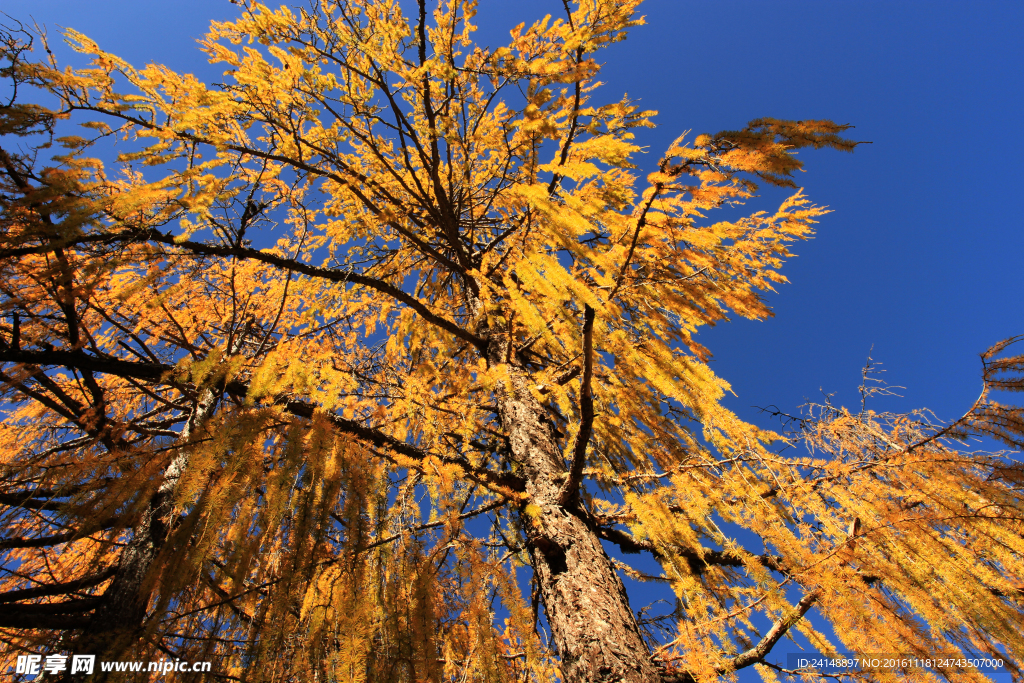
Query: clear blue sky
x,y
922,255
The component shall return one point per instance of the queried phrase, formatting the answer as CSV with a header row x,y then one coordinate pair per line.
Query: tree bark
x,y
592,624
120,617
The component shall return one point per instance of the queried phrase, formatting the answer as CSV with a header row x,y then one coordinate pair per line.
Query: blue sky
x,y
921,257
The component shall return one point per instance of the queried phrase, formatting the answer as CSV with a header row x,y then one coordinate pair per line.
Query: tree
x,y
356,363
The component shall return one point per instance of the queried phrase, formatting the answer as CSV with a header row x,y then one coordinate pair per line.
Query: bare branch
x,y
579,455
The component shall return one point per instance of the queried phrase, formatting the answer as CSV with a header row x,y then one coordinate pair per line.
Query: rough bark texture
x,y
591,622
120,617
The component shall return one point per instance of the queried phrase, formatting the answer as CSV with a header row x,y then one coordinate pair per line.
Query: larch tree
x,y
354,366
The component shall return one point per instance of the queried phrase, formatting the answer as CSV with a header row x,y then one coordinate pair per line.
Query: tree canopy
x,y
354,366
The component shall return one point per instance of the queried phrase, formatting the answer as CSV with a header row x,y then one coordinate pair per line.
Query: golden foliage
x,y
267,346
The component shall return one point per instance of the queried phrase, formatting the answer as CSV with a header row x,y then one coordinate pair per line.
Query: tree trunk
x,y
591,622
119,620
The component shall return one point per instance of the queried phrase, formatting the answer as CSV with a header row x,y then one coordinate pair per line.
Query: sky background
x,y
920,260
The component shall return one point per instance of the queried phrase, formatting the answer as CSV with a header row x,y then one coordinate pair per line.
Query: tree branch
x,y
756,654
56,539
579,455
66,607
775,633
58,588
54,622
158,372
325,274
699,561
